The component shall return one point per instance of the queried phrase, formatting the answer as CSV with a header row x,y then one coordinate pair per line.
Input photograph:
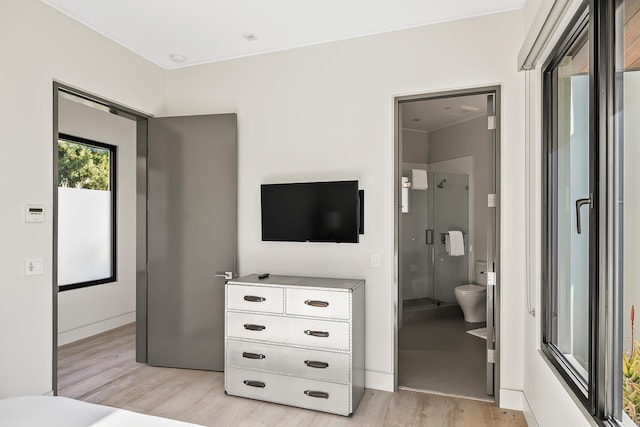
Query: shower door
x,y
429,273
450,213
417,244
492,248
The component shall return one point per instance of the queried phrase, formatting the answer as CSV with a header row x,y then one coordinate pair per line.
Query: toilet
x,y
472,298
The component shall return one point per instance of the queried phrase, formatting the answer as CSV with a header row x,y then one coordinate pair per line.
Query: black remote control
x,y
263,276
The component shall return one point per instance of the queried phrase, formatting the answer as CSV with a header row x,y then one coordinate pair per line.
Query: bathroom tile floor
x,y
437,355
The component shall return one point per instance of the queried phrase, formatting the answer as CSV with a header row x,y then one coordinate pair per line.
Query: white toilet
x,y
472,298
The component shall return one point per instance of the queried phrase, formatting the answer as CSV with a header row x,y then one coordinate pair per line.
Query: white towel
x,y
419,179
455,243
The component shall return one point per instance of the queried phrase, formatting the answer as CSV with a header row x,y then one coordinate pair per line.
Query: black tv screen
x,y
311,212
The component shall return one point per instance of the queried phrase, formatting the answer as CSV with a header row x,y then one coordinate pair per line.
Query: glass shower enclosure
x,y
429,274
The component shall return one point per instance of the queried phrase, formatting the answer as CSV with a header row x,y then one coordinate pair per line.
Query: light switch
x,y
33,266
375,260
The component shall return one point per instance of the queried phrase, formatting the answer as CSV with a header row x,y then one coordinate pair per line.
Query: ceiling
x,y
432,114
202,31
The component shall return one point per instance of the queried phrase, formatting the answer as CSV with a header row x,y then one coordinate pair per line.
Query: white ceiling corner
x,y
205,31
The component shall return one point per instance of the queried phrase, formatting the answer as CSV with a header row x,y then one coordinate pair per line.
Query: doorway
x,y
182,187
446,228
94,278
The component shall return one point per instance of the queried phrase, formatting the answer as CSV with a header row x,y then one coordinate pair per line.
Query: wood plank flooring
x,y
102,369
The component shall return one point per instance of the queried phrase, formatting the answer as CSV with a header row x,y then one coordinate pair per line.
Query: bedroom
x,y
336,97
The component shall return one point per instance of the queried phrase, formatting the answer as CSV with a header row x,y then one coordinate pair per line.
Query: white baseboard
x,y
511,399
517,400
92,329
378,380
528,413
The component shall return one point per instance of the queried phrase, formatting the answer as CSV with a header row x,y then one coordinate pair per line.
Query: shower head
x,y
441,185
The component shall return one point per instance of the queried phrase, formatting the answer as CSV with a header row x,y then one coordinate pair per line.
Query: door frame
x,y
397,180
141,218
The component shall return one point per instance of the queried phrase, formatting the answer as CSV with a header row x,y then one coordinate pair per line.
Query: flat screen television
x,y
312,212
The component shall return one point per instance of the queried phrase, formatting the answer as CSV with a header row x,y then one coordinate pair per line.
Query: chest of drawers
x,y
296,341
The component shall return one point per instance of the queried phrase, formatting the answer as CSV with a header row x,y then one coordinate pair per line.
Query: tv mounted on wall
x,y
312,212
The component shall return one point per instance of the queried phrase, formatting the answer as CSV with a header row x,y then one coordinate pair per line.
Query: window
x,y
86,213
591,285
567,90
627,146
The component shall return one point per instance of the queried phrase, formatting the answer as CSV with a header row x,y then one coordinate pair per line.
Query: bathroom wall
x,y
462,140
464,166
415,146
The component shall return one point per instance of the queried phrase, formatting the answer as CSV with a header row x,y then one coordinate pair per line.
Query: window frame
x,y
113,152
549,105
602,395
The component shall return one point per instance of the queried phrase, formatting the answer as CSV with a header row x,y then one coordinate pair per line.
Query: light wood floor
x,y
102,369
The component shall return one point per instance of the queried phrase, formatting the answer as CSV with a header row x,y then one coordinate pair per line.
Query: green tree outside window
x,y
83,166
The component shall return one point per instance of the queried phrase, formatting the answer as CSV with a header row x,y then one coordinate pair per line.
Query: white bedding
x,y
55,411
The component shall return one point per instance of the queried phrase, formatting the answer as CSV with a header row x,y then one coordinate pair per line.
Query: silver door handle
x,y
579,204
429,237
228,275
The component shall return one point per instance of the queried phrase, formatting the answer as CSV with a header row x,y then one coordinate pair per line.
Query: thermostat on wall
x,y
34,213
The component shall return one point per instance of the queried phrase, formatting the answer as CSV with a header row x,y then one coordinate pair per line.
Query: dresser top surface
x,y
311,282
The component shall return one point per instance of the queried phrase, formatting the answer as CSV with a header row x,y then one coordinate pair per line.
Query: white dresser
x,y
296,340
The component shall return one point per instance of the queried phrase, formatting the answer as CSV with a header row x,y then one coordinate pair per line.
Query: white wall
x,y
326,112
39,45
89,311
321,112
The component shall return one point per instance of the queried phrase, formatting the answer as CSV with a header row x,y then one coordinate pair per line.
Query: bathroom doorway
x,y
446,233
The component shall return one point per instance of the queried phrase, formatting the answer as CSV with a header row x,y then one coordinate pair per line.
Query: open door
x,y
192,180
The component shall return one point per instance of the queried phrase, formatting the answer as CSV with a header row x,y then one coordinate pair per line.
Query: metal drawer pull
x,y
314,303
318,394
258,384
253,298
252,327
253,355
320,334
315,364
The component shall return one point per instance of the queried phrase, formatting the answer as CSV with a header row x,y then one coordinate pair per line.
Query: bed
x,y
55,411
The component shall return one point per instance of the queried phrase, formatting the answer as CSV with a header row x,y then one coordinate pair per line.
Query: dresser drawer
x,y
301,392
304,332
301,362
319,303
255,298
